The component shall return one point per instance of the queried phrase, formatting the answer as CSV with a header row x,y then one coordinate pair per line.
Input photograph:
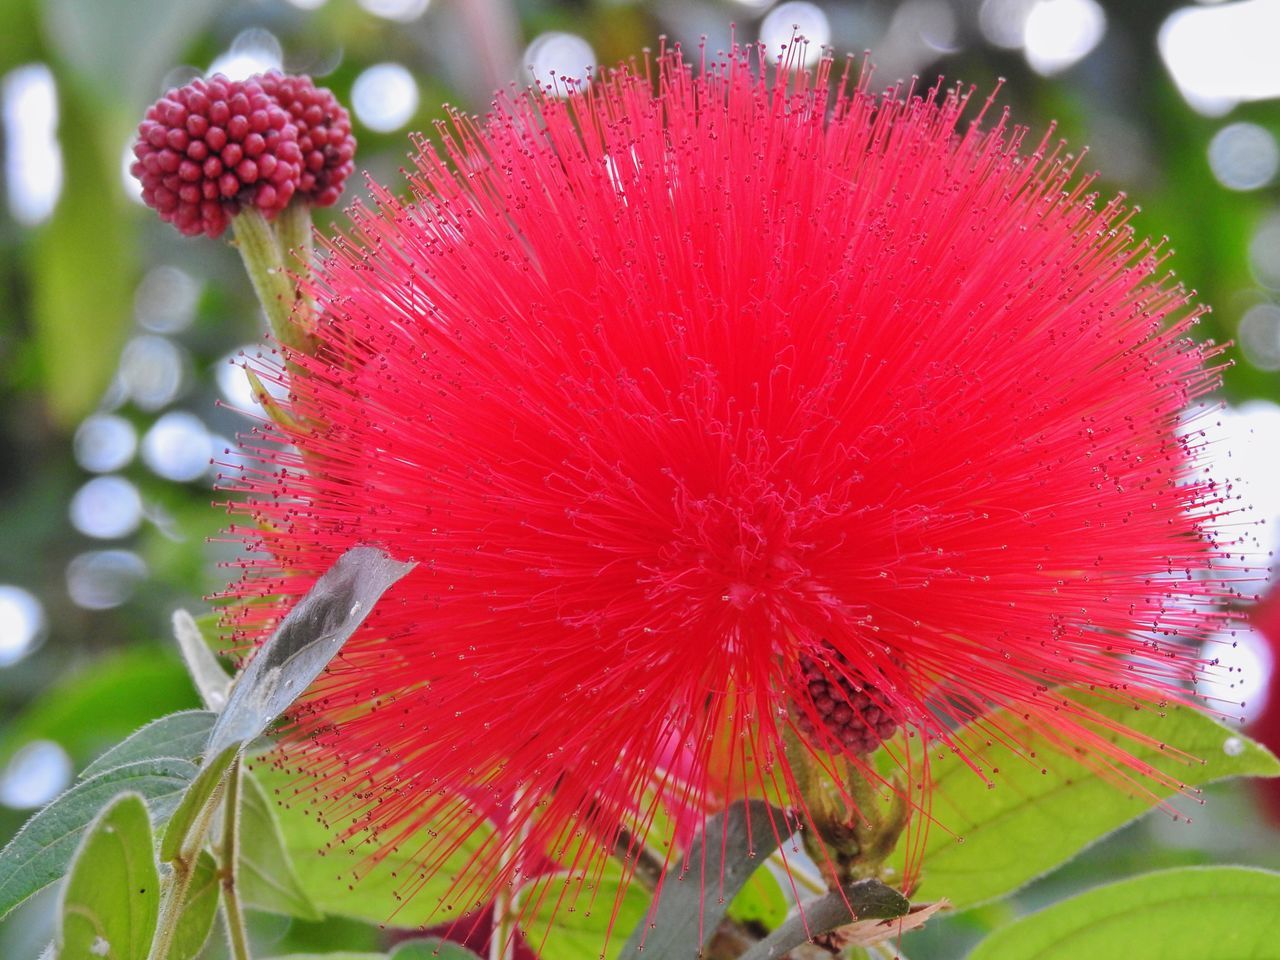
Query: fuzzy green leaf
x,y
194,809
112,899
267,877
40,852
1192,913
1042,812
181,735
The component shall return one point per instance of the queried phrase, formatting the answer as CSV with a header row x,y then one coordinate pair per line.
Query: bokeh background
x,y
119,403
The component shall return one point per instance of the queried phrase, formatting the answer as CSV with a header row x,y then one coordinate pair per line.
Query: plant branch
x,y
232,911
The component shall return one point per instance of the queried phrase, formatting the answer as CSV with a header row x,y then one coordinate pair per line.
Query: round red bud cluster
x,y
212,147
324,135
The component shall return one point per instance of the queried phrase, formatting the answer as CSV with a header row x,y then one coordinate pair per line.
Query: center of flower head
x,y
842,708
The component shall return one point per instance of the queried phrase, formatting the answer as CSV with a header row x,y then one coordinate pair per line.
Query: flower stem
x,y
297,243
175,898
264,262
232,911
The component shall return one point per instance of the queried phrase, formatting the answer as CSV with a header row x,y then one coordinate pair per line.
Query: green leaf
x,y
307,639
696,896
1033,821
40,852
572,914
267,877
1193,913
761,901
352,886
180,735
101,702
112,898
198,911
196,807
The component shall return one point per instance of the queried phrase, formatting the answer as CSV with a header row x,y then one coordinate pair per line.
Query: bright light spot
x,y
105,442
1244,669
1264,253
37,773
32,157
1233,746
799,21
753,4
402,11
132,185
1244,156
1223,55
177,447
252,51
152,370
384,97
1003,22
22,623
1059,33
1243,449
233,382
556,57
165,301
102,579
1260,336
308,4
106,508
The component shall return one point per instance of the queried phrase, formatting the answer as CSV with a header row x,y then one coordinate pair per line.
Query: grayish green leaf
x,y
1192,913
112,898
181,735
695,898
40,852
304,643
863,900
211,681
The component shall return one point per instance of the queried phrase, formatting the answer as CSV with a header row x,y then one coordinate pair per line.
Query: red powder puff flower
x,y
744,421
207,149
325,140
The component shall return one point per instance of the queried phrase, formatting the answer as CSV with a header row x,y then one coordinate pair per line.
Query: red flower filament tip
x,y
325,140
749,412
207,149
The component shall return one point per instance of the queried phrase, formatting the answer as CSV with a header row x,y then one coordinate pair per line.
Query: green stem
x,y
232,911
297,240
175,898
264,262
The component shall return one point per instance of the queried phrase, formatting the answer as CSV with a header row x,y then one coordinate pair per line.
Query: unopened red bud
x,y
326,147
191,154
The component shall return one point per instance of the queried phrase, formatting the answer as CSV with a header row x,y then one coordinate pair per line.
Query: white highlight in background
x,y
1060,33
384,97
799,21
1224,54
33,159
555,57
22,623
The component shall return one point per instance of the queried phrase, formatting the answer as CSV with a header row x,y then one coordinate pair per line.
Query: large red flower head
x,y
735,416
